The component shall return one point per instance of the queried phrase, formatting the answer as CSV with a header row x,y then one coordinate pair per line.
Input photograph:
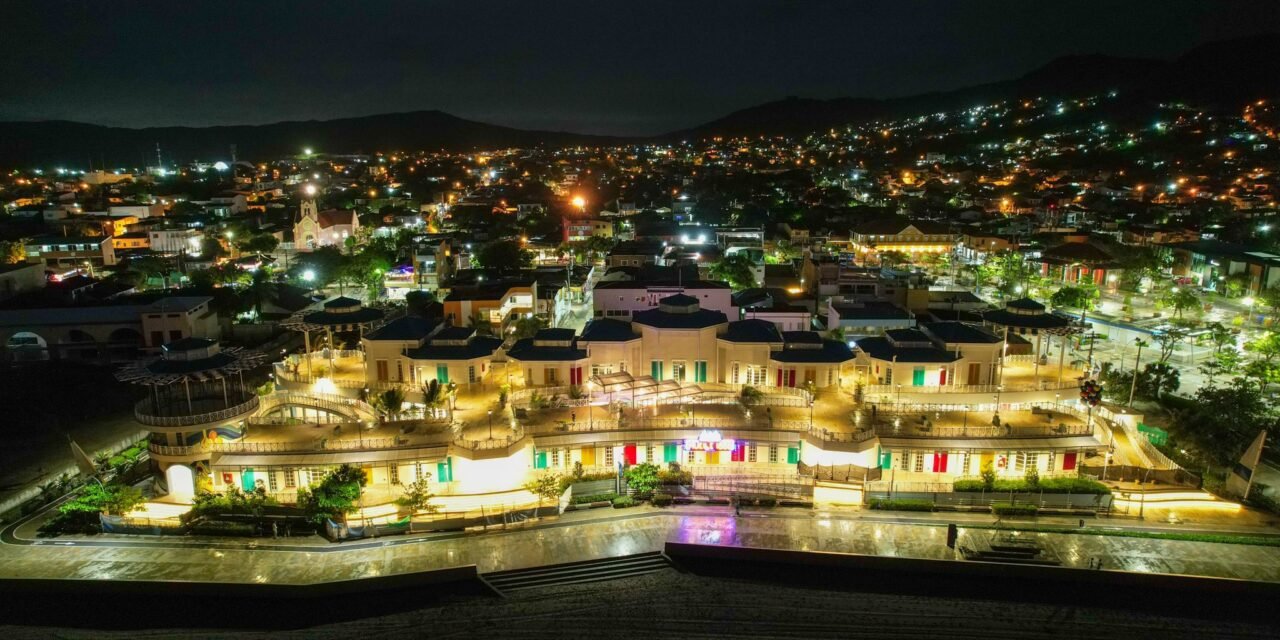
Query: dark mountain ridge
x,y
1222,74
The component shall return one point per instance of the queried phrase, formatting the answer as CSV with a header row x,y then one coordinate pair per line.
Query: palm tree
x,y
1133,385
526,326
478,322
389,403
261,290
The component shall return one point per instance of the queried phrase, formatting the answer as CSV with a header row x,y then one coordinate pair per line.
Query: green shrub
x,y
661,499
1007,509
594,497
588,477
1045,485
885,504
622,502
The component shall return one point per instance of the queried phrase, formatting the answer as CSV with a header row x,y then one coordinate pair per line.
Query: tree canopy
x,y
503,255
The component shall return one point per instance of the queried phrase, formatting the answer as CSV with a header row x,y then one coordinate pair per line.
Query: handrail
x,y
981,431
140,414
334,403
171,450
881,389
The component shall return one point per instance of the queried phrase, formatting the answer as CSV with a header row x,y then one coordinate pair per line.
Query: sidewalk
x,y
606,533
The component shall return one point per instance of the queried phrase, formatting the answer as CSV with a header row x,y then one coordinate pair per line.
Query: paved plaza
x,y
590,535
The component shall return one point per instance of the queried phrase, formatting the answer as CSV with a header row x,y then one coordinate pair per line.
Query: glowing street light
x,y
309,275
580,203
310,189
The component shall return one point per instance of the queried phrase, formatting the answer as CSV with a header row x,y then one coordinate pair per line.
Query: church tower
x,y
306,228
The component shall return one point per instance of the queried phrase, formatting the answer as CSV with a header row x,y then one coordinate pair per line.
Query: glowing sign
x,y
709,440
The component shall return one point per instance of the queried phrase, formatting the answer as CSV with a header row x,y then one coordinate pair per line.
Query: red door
x,y
1069,461
791,377
779,378
942,377
739,452
629,454
940,462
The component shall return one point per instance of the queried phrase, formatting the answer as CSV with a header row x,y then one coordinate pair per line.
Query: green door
x,y
442,373
917,377
700,371
247,480
444,470
655,369
540,460
886,460
793,455
670,452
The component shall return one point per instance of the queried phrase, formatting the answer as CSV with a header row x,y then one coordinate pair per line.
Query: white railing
x,y
492,443
327,402
177,451
1154,457
981,431
140,414
890,389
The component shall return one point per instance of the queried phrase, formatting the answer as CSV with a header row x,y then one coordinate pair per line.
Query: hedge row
x,y
1007,509
901,505
1045,485
595,497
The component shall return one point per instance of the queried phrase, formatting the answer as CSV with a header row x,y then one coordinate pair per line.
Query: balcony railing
x,y
141,412
890,389
915,430
177,451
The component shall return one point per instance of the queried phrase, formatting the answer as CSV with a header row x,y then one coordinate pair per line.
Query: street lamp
x,y
491,424
591,423
811,413
309,275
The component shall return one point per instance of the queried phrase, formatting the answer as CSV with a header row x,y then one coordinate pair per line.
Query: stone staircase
x,y
577,572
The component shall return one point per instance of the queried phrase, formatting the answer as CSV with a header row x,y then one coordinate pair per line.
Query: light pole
x,y
491,424
1133,385
811,413
591,422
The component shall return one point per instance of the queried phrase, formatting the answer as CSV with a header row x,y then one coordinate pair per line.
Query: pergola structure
x,y
198,362
337,315
1026,316
644,388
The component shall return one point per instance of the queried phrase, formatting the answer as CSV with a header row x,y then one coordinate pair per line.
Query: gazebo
x,y
1024,317
336,315
189,382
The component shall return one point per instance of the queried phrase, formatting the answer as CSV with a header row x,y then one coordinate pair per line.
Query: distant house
x,y
1079,263
71,252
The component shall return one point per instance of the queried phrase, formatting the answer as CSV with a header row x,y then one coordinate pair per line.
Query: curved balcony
x,y
171,413
170,453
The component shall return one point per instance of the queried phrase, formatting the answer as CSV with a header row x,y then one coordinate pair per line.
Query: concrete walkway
x,y
595,534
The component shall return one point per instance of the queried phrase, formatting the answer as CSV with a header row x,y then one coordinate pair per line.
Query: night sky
x,y
598,66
